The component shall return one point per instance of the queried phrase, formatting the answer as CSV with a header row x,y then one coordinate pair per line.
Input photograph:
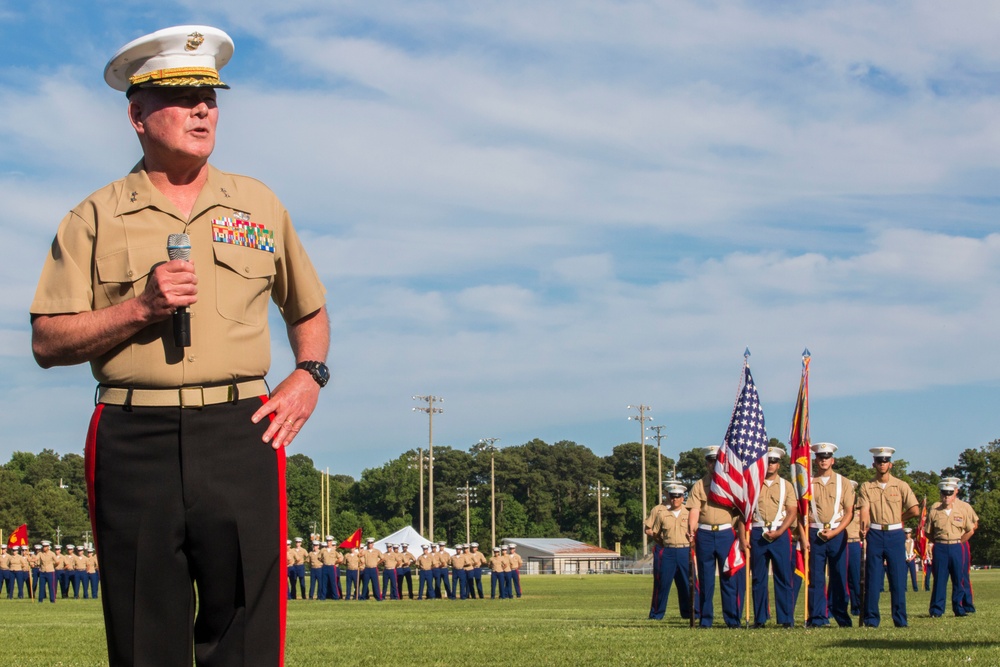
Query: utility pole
x,y
642,418
659,460
489,445
600,492
430,410
468,494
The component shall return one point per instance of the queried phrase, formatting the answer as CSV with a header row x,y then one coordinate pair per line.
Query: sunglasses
x,y
947,493
774,462
824,456
676,495
883,459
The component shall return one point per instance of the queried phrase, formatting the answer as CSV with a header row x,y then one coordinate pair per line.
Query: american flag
x,y
742,459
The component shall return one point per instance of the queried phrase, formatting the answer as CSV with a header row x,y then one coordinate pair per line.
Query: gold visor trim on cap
x,y
165,77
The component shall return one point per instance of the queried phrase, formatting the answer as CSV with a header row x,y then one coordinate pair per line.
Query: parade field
x,y
562,620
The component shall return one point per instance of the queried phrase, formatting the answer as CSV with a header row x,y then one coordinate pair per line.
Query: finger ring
x,y
289,422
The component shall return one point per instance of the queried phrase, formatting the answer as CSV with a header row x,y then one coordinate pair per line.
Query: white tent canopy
x,y
411,537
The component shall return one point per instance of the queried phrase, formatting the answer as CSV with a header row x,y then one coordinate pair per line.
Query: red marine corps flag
x,y
742,460
352,542
799,443
19,538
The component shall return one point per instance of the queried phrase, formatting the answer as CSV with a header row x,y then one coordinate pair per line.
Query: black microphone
x,y
179,247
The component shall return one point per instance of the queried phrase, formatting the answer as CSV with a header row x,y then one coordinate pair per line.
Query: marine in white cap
x,y
298,580
478,560
370,559
426,563
668,526
161,282
949,527
830,513
967,602
771,545
712,529
404,573
330,559
886,503
47,573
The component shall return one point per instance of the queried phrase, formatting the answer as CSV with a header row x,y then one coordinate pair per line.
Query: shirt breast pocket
x,y
123,273
244,277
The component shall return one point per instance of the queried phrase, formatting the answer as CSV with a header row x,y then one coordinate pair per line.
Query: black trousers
x,y
188,512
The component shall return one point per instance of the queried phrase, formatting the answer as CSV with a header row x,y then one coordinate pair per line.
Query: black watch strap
x,y
317,369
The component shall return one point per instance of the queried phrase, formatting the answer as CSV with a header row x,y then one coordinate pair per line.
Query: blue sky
x,y
544,212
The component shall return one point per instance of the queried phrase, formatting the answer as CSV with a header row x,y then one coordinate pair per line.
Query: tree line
x,y
542,490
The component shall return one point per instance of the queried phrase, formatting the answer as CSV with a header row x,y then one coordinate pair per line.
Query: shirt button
x,y
191,358
129,274
246,269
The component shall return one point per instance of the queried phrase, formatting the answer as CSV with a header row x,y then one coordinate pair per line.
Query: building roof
x,y
561,547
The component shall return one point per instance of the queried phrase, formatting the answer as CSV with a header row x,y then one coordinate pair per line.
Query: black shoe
x,y
758,626
788,626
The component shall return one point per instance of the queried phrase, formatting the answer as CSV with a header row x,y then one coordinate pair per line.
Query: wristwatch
x,y
317,369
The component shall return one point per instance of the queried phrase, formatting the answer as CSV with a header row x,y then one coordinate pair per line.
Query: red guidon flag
x,y
19,538
799,443
352,542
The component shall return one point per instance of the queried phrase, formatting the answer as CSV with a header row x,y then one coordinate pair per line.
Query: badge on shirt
x,y
239,230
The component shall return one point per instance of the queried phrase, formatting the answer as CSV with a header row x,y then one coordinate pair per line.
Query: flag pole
x,y
748,598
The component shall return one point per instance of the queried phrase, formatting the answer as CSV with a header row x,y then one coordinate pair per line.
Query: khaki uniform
x,y
825,512
315,560
947,527
886,506
885,542
669,530
299,556
47,561
774,502
353,561
711,513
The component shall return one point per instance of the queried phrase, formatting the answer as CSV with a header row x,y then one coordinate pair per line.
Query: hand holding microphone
x,y
179,247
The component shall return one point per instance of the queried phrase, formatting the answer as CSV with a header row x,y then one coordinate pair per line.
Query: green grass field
x,y
562,620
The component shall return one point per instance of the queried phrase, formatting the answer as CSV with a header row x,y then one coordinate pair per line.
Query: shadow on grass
x,y
906,642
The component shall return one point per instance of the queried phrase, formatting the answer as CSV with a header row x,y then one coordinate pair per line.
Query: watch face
x,y
322,374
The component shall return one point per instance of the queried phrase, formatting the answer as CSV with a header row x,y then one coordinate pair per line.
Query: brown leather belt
x,y
182,397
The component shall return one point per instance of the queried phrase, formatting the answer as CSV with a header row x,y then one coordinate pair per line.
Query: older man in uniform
x,y
668,526
886,503
713,529
185,459
771,544
949,527
425,564
831,511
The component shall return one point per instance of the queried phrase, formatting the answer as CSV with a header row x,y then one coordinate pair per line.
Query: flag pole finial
x,y
805,353
746,353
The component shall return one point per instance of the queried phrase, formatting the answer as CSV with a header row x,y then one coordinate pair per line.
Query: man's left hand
x,y
291,404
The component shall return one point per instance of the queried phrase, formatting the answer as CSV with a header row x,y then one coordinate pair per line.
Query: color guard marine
x,y
831,512
771,544
886,503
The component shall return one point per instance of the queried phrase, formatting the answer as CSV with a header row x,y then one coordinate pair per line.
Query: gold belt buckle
x,y
715,527
826,526
192,397
885,526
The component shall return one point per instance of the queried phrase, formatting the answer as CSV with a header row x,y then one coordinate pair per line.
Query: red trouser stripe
x,y
90,464
282,536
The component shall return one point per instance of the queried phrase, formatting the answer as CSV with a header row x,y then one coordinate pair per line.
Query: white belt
x,y
714,526
889,526
827,526
761,524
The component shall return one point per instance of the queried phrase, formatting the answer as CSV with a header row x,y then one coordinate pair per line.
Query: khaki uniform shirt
x,y
500,563
18,563
91,564
824,508
886,506
515,561
670,530
47,561
243,246
299,554
767,502
80,563
5,561
289,557
711,512
353,560
652,519
390,559
315,560
945,526
370,557
329,556
478,559
60,561
458,561
406,559
442,558
853,529
426,561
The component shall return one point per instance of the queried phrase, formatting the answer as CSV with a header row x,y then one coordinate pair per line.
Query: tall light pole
x,y
600,492
659,460
642,418
489,445
419,463
469,495
430,410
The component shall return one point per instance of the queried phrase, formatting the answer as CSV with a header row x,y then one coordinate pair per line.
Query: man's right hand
x,y
170,286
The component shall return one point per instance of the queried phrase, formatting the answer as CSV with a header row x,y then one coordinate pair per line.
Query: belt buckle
x,y
826,526
197,398
715,527
885,526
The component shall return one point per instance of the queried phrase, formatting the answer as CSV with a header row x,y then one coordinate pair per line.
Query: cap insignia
x,y
195,39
